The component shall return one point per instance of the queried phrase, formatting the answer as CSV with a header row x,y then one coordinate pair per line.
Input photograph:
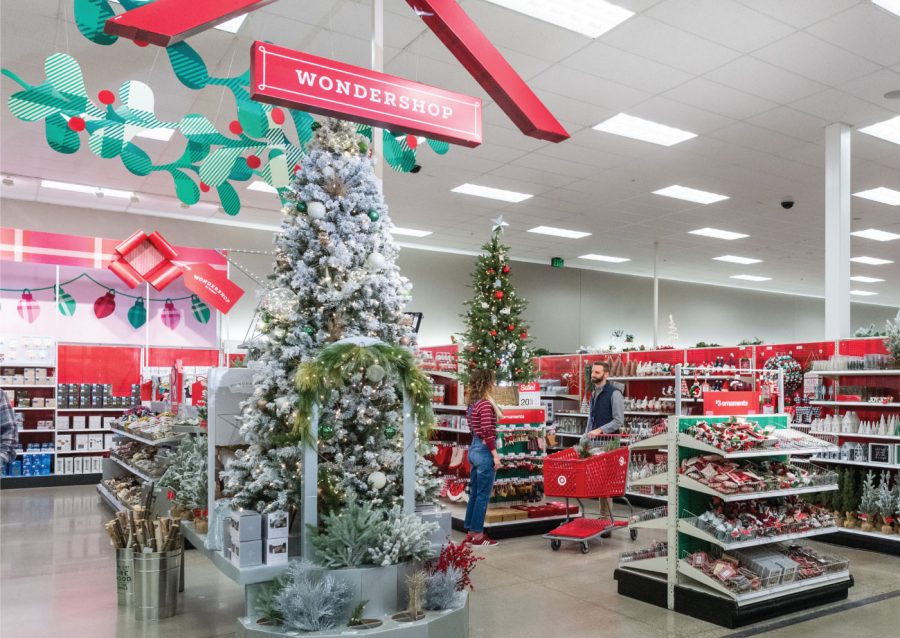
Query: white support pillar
x,y
409,456
309,506
655,295
378,65
837,231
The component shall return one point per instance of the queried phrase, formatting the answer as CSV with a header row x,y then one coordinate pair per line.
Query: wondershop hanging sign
x,y
725,403
298,80
212,286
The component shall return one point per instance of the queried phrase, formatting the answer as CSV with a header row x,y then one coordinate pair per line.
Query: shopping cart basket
x,y
598,476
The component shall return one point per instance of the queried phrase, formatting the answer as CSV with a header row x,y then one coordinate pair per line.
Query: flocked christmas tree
x,y
496,337
335,278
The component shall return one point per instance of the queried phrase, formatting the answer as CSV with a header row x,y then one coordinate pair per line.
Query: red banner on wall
x,y
296,80
726,403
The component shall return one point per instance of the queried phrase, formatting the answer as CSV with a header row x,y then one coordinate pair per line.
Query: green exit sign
x,y
557,262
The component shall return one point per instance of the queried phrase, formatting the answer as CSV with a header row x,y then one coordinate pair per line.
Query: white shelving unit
x,y
855,373
856,404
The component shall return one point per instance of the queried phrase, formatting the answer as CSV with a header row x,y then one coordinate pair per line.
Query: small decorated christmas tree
x,y
868,503
884,502
496,337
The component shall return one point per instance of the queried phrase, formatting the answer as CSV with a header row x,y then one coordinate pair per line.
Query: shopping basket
x,y
600,476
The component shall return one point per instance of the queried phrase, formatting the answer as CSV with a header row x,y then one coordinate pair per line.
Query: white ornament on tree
x,y
281,303
375,262
377,480
375,373
316,210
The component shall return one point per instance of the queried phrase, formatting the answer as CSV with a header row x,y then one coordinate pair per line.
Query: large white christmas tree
x,y
335,278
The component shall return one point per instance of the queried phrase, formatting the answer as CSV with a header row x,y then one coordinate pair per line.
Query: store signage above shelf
x,y
737,403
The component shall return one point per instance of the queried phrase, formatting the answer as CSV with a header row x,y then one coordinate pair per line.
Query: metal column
x,y
409,456
310,503
837,231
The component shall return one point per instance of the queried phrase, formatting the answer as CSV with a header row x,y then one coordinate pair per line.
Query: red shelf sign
x,y
738,403
292,79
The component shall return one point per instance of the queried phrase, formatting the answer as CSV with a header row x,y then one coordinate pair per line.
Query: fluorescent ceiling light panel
x,y
612,260
559,232
81,188
751,277
262,187
161,134
889,5
644,130
592,18
491,193
410,232
882,195
866,280
718,234
734,259
888,130
877,235
690,194
871,261
863,293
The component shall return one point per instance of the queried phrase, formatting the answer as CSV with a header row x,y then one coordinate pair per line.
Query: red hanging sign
x,y
727,403
292,79
212,286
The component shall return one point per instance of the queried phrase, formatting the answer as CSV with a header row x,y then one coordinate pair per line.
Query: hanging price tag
x,y
529,395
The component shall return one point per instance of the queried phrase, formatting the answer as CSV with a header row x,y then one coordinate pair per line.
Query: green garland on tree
x,y
496,337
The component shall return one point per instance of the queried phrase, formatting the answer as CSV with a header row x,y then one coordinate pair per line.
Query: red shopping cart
x,y
598,476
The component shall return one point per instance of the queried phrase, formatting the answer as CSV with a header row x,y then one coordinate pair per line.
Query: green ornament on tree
x,y
390,432
137,314
374,216
326,432
301,207
309,330
66,303
363,147
200,309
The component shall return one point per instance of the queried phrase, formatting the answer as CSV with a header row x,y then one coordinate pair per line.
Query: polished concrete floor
x,y
58,580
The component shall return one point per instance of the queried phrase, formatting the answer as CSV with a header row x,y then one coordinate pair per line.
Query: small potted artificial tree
x,y
868,503
885,504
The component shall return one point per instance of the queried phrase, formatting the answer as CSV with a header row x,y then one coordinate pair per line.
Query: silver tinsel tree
x,y
335,277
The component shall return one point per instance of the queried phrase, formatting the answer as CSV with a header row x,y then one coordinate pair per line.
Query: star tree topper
x,y
499,224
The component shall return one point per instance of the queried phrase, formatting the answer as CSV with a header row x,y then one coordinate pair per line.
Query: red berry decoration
x,y
278,116
140,43
491,271
296,168
499,294
253,161
412,141
497,361
77,124
510,327
506,270
106,97
204,187
235,127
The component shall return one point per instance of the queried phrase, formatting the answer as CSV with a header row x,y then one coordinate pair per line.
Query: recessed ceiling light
x,y
718,234
559,232
871,261
410,232
877,235
881,194
82,188
889,5
734,259
491,193
751,277
690,194
863,293
262,187
866,280
888,130
613,260
161,134
592,18
644,130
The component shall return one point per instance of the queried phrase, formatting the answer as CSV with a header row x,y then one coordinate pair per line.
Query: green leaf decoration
x,y
439,147
108,141
217,166
66,303
240,172
401,157
60,137
253,118
90,16
186,189
137,314
188,65
200,309
136,160
63,91
231,203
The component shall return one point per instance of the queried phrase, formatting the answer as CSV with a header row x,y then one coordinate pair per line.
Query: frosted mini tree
x,y
496,337
335,277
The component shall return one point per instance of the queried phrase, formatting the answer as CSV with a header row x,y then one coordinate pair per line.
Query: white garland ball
x,y
375,373
316,210
281,302
376,261
377,480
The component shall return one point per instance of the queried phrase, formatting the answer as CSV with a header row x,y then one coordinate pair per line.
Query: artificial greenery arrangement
x,y
868,503
362,535
755,341
892,342
187,474
266,603
309,599
442,589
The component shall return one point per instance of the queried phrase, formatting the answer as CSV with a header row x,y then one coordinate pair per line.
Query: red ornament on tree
x,y
491,271
27,307
493,333
253,161
105,305
106,97
499,294
510,327
523,335
497,361
506,270
77,123
171,316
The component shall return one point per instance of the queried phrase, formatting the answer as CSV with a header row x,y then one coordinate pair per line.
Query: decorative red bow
x,y
148,258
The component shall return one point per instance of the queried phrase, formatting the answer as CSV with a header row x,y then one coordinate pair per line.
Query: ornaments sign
x,y
728,403
297,80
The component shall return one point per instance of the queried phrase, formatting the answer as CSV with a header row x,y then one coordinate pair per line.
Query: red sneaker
x,y
482,540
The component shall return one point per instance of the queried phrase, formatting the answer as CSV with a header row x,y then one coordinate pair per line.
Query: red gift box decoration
x,y
148,258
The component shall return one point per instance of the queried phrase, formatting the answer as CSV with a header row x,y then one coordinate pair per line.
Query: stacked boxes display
x,y
244,539
275,538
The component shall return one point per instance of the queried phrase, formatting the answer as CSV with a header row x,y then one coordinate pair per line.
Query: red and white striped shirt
x,y
483,422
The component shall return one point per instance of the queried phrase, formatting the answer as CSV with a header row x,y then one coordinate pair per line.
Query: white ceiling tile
x,y
626,68
800,13
816,59
588,88
873,87
838,106
683,116
791,122
866,30
764,80
720,99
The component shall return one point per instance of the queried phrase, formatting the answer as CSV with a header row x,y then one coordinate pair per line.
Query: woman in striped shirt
x,y
482,416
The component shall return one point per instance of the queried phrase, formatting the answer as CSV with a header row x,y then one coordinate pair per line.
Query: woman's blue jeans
x,y
481,483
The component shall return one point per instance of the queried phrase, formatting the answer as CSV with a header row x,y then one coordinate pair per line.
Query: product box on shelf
x,y
64,443
275,524
37,402
246,553
245,526
96,464
50,402
81,442
108,441
95,442
95,422
68,465
79,422
29,376
276,551
77,465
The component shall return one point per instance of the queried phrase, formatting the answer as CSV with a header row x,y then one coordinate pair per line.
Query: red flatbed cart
x,y
599,476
